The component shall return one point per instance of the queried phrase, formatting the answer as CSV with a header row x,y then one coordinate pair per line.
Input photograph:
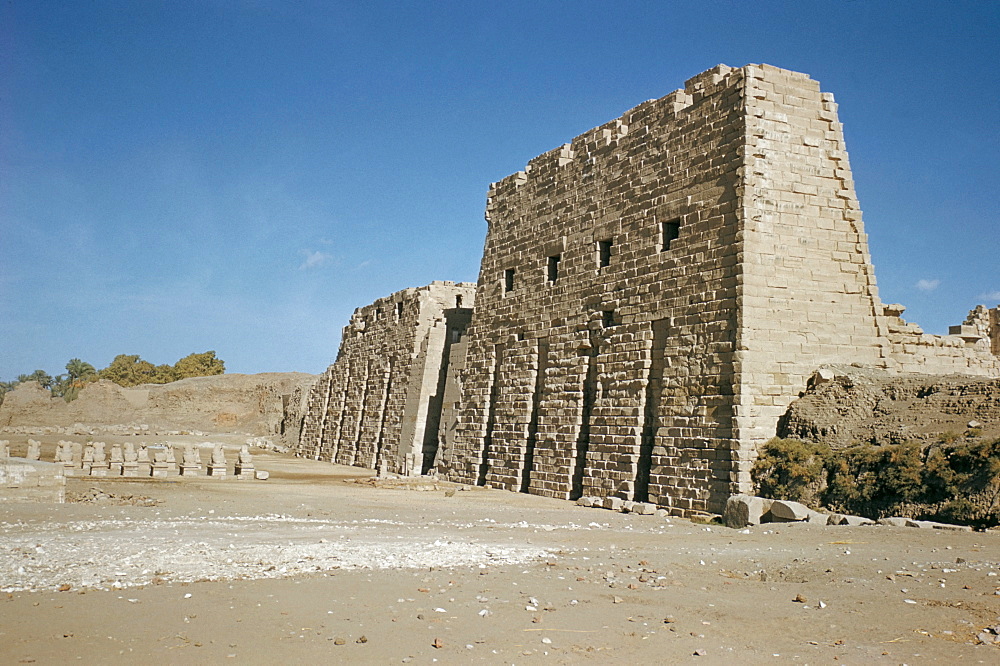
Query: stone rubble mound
x,y
745,510
846,405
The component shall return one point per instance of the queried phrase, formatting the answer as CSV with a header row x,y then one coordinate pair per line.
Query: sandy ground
x,y
313,566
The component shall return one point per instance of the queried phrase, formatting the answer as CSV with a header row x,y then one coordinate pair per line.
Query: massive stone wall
x,y
379,405
652,296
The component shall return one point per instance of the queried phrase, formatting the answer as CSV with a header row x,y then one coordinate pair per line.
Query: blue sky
x,y
239,176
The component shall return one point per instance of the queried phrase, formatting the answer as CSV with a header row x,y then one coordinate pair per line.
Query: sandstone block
x,y
853,521
892,521
644,508
743,510
787,511
613,503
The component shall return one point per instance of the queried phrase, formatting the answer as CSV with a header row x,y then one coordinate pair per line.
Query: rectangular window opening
x,y
604,252
553,268
399,310
508,280
608,318
671,231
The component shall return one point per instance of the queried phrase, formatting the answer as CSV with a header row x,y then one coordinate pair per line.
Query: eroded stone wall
x,y
655,293
652,297
379,404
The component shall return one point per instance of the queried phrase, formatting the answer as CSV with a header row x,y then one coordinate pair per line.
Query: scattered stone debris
x,y
745,510
990,635
98,496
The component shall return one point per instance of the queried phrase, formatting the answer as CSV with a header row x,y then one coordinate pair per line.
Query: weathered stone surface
x,y
385,403
853,521
743,510
614,503
892,521
818,518
879,407
789,511
24,480
932,525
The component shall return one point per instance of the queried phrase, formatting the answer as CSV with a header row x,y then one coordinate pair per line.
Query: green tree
x,y
199,365
5,387
131,370
40,376
78,369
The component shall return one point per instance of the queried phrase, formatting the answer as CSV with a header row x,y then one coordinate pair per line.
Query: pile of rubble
x,y
98,496
744,510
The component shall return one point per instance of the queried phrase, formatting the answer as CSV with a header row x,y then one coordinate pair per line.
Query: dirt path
x,y
310,566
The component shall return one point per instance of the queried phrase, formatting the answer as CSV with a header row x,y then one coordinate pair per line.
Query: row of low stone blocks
x,y
618,504
744,510
92,460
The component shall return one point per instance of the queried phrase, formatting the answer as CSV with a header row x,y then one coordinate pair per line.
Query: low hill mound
x,y
252,404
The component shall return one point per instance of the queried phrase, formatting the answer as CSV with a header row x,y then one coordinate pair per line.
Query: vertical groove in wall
x,y
335,439
586,410
435,403
384,412
359,430
491,415
650,415
536,397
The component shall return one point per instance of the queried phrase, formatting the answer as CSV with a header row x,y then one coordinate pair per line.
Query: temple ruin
x,y
652,296
379,405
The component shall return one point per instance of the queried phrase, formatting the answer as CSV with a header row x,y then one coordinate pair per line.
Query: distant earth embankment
x,y
253,404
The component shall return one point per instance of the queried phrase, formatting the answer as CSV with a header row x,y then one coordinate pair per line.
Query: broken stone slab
x,y
787,511
844,519
931,525
261,475
817,518
743,510
586,500
892,521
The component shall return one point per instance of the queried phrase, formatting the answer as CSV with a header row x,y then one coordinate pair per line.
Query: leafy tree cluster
x,y
956,480
124,370
130,370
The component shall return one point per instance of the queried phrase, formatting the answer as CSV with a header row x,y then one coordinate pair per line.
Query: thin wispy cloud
x,y
313,258
928,285
991,295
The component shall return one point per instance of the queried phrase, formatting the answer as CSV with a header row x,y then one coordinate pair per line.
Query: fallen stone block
x,y
585,501
644,508
852,521
628,506
787,511
613,503
817,518
931,525
892,521
743,510
261,475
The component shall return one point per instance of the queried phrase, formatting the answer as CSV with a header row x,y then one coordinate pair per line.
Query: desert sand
x,y
321,564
